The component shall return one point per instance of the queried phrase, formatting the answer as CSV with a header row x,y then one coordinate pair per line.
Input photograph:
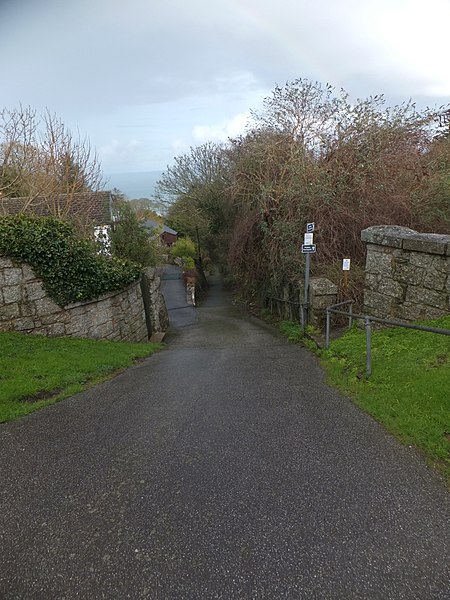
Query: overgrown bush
x,y
311,154
70,267
184,248
129,238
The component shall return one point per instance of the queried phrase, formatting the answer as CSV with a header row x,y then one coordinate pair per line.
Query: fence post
x,y
327,330
368,328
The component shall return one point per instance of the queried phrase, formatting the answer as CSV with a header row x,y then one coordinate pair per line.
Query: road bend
x,y
222,467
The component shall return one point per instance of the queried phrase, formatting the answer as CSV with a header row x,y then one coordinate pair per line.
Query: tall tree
x,y
195,192
40,157
18,152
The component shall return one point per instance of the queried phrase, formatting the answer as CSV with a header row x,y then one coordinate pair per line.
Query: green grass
x,y
409,389
36,371
292,331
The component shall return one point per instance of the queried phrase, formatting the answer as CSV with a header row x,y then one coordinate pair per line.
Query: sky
x,y
145,80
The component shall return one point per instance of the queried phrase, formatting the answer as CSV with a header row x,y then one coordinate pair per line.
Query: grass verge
x,y
409,390
36,371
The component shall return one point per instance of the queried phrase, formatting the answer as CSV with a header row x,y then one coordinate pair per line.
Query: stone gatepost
x,y
407,273
322,293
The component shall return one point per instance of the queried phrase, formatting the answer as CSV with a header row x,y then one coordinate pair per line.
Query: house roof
x,y
92,207
149,224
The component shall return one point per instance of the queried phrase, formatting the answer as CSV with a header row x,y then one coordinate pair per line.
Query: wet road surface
x,y
173,288
222,467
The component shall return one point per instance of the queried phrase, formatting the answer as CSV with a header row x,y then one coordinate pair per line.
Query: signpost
x,y
308,248
346,269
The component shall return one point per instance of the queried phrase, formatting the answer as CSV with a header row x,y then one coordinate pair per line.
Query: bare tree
x,y
195,186
43,162
70,164
17,150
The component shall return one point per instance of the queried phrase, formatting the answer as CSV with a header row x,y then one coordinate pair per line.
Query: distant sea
x,y
134,185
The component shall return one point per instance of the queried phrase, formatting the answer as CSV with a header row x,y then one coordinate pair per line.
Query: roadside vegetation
x,y
184,248
36,371
310,154
71,268
129,240
409,389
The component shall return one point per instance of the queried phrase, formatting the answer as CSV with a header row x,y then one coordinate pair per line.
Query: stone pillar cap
x,y
386,235
408,239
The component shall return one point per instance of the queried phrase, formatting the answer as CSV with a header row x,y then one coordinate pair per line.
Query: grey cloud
x,y
99,62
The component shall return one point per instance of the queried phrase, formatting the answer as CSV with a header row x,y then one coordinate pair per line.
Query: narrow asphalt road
x,y
223,467
173,288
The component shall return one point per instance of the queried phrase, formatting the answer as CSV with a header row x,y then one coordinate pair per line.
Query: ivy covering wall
x,y
70,267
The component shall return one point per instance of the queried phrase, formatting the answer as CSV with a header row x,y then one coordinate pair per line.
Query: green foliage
x,y
184,248
189,263
70,267
293,331
11,182
195,188
129,238
36,371
407,389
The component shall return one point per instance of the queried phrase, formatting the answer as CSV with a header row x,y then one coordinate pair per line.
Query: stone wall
x,y
25,306
407,273
156,313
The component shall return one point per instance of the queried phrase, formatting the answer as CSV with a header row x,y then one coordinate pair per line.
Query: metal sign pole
x,y
308,247
306,289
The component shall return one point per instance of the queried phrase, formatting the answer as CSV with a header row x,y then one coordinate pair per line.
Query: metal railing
x,y
302,308
368,320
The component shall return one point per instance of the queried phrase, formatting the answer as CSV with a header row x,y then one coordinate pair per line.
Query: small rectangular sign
x,y
308,248
346,264
308,238
309,227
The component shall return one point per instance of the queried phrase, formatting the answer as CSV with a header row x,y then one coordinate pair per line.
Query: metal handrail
x,y
303,308
328,317
368,320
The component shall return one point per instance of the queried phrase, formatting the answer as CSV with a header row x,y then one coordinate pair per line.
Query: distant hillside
x,y
134,185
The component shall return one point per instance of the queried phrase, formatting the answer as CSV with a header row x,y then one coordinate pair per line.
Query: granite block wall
x,y
407,273
25,306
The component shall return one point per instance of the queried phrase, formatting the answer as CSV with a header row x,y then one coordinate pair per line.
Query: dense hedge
x,y
70,267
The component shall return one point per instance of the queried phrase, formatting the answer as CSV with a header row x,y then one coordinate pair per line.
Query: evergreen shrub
x,y
183,248
69,266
